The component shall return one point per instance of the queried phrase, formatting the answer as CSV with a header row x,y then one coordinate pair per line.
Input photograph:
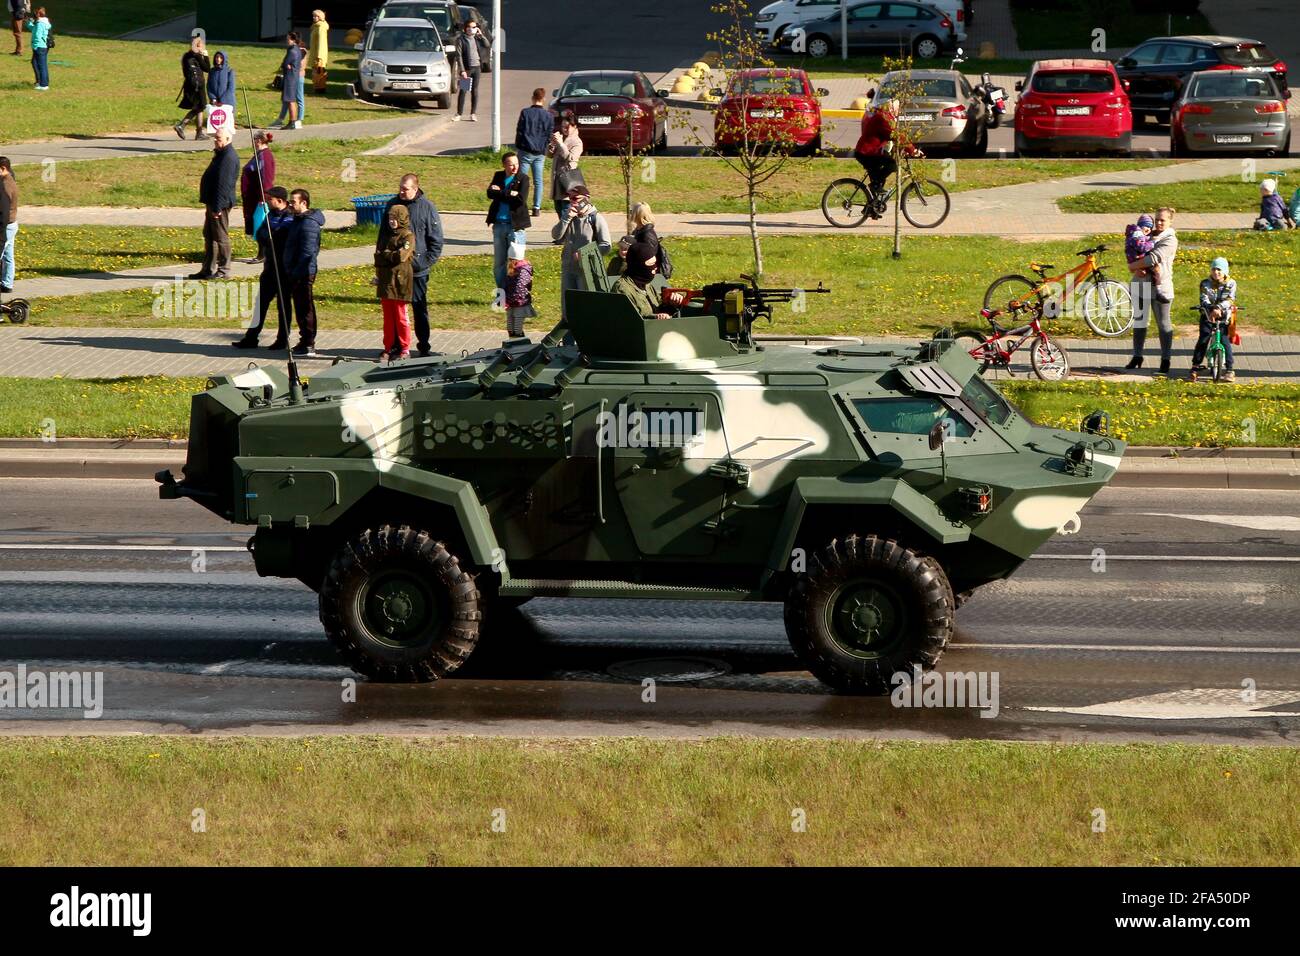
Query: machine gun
x,y
746,302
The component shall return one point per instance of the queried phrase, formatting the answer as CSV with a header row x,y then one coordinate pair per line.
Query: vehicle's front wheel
x,y
443,101
399,606
869,608
818,47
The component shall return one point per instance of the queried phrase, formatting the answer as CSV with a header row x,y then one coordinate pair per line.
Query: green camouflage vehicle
x,y
870,488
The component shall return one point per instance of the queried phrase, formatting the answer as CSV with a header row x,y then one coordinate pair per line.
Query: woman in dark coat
x,y
263,161
194,94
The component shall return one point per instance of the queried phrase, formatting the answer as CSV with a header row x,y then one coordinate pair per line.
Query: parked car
x,y
1234,112
403,59
1075,105
944,110
769,105
596,98
919,28
450,19
1157,69
775,18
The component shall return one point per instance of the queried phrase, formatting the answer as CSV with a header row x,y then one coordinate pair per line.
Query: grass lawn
x,y
1143,413
1173,412
112,86
1221,194
940,280
618,802
67,250
680,184
1065,28
109,19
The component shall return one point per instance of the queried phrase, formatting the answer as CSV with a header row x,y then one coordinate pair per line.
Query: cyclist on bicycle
x,y
875,147
1218,299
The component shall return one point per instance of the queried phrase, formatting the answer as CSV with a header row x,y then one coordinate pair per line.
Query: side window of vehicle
x,y
1147,55
965,89
1176,53
1205,54
911,416
871,11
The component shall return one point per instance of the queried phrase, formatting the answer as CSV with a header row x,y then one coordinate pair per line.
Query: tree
x,y
906,135
746,138
628,154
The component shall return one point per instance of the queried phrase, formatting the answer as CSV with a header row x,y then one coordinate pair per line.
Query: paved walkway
x,y
39,352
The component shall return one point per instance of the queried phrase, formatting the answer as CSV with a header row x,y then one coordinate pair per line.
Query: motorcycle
x,y
995,98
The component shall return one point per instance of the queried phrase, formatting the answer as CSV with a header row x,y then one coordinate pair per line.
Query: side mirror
x,y
716,91
871,93
662,94
555,93
1125,61
1288,95
822,91
358,47
936,436
1019,86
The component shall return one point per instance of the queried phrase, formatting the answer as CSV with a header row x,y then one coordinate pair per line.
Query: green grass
x,y
112,19
1221,194
1125,25
940,280
680,184
47,251
111,86
1172,412
618,802
134,407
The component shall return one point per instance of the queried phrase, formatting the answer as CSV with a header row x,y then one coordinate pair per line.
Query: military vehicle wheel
x,y
868,608
398,605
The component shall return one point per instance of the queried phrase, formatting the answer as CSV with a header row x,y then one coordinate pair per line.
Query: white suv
x,y
773,19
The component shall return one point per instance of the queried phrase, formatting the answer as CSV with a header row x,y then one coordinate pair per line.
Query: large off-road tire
x,y
398,605
868,608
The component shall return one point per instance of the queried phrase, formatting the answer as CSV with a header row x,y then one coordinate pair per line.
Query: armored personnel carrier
x,y
869,488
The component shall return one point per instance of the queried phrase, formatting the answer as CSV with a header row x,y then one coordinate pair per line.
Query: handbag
x,y
566,180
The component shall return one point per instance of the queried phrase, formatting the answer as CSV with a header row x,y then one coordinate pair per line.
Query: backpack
x,y
665,263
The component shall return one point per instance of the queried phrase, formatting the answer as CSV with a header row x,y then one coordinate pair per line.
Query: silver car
x,y
1230,111
941,107
403,59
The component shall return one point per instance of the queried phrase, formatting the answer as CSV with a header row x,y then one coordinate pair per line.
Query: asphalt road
x,y
1200,592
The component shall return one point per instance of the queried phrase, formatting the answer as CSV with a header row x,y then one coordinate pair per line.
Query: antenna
x,y
295,382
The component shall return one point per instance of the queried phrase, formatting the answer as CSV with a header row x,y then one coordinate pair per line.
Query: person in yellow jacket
x,y
318,50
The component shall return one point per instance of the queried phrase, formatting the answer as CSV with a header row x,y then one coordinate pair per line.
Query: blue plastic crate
x,y
370,209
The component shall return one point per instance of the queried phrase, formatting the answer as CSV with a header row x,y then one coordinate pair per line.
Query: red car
x,y
770,105
599,99
1076,105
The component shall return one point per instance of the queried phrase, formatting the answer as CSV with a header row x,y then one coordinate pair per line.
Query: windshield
x,y
1073,82
985,402
404,40
1248,54
933,89
774,85
1220,84
437,14
612,85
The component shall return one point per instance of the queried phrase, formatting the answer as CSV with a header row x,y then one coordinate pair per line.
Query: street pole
x,y
844,29
496,76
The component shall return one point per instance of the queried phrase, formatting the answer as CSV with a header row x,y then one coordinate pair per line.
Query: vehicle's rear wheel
x,y
869,608
845,203
19,309
1002,291
925,203
819,46
981,146
398,605
1049,359
1108,307
926,47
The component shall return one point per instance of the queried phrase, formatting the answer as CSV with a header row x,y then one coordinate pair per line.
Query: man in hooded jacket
x,y
221,81
427,227
301,249
642,263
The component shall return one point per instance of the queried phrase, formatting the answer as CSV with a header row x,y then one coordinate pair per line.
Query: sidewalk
x,y
41,352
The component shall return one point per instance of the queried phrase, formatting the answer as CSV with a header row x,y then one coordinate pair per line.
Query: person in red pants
x,y
395,277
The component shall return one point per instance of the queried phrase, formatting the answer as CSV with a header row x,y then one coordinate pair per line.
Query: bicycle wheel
x,y
845,203
973,343
1048,359
1108,308
1003,290
925,203
1216,358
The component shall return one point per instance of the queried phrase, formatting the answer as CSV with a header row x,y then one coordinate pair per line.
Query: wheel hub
x,y
866,616
399,607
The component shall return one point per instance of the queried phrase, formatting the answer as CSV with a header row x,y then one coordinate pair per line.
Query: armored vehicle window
x,y
988,404
910,416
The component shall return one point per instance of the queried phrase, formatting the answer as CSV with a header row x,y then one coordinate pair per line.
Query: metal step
x,y
547,587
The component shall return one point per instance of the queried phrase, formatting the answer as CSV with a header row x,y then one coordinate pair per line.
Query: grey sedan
x,y
940,109
1222,111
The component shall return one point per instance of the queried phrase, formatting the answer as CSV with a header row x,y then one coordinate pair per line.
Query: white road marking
x,y
1252,522
1165,648
119,547
1199,703
1161,557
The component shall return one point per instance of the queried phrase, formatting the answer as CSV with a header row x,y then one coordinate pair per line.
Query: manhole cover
x,y
669,669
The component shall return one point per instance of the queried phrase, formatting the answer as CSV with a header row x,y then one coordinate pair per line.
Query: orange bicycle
x,y
1106,304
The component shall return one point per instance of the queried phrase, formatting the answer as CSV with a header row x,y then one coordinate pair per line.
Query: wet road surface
x,y
1187,631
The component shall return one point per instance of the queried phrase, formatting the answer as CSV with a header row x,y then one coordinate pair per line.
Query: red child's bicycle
x,y
1047,358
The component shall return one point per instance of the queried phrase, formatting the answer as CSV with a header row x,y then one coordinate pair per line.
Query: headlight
x,y
764,17
372,66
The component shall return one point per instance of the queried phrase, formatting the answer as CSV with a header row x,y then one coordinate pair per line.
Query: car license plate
x,y
1232,139
916,117
767,114
1073,110
407,85
594,120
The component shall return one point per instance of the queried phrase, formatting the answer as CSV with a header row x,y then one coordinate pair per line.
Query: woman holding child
x,y
1153,290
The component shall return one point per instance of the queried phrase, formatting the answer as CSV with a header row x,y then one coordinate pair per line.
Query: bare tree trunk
x,y
753,232
898,205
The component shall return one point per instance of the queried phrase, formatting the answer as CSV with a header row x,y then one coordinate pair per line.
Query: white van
x,y
773,19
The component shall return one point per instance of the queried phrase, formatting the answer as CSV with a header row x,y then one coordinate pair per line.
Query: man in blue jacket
x,y
301,249
427,226
273,234
217,193
532,134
